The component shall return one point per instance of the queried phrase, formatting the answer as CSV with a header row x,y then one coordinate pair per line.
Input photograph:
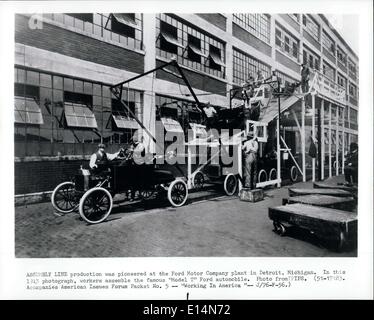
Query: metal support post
x,y
303,137
330,158
322,139
313,135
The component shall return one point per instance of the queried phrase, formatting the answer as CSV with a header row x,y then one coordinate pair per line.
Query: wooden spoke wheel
x,y
146,194
230,184
177,193
95,205
64,198
198,180
294,174
262,176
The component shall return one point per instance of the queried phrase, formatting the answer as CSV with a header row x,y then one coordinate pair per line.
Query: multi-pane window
x,y
311,26
295,17
342,56
123,113
352,90
328,43
353,116
311,59
286,42
124,28
352,68
342,81
256,24
328,71
246,66
63,115
285,79
192,47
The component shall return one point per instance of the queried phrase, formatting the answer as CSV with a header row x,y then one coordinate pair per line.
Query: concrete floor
x,y
218,226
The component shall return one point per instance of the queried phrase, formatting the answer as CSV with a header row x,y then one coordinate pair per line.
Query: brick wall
x,y
38,176
248,38
197,80
214,18
78,46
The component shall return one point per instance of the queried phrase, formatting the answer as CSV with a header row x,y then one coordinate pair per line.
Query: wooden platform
x,y
325,185
328,224
319,191
340,203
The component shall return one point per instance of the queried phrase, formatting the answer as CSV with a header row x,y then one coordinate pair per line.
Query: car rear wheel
x,y
294,174
95,205
198,180
64,198
262,176
177,193
230,184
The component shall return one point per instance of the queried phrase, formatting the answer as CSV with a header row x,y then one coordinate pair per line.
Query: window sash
x,y
171,39
123,122
79,115
124,19
26,110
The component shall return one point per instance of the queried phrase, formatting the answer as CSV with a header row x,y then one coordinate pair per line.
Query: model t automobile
x,y
92,191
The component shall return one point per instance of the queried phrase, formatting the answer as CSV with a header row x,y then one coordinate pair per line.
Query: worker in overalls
x,y
250,149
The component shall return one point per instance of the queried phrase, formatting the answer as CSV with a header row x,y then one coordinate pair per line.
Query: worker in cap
x,y
250,150
100,157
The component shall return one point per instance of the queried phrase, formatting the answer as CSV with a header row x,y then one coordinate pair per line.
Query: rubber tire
x,y
225,184
201,177
270,174
54,195
81,202
262,171
170,189
293,168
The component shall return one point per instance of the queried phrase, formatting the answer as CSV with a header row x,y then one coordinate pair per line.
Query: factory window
x,y
285,79
328,71
352,68
295,17
168,38
256,24
124,24
286,43
328,43
342,81
353,115
123,119
342,56
26,104
352,90
87,17
215,60
191,47
311,26
123,28
311,59
245,66
77,110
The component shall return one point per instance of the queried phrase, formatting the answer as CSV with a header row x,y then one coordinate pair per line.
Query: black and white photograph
x,y
169,134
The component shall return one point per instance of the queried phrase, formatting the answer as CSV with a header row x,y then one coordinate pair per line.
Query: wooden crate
x,y
334,226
